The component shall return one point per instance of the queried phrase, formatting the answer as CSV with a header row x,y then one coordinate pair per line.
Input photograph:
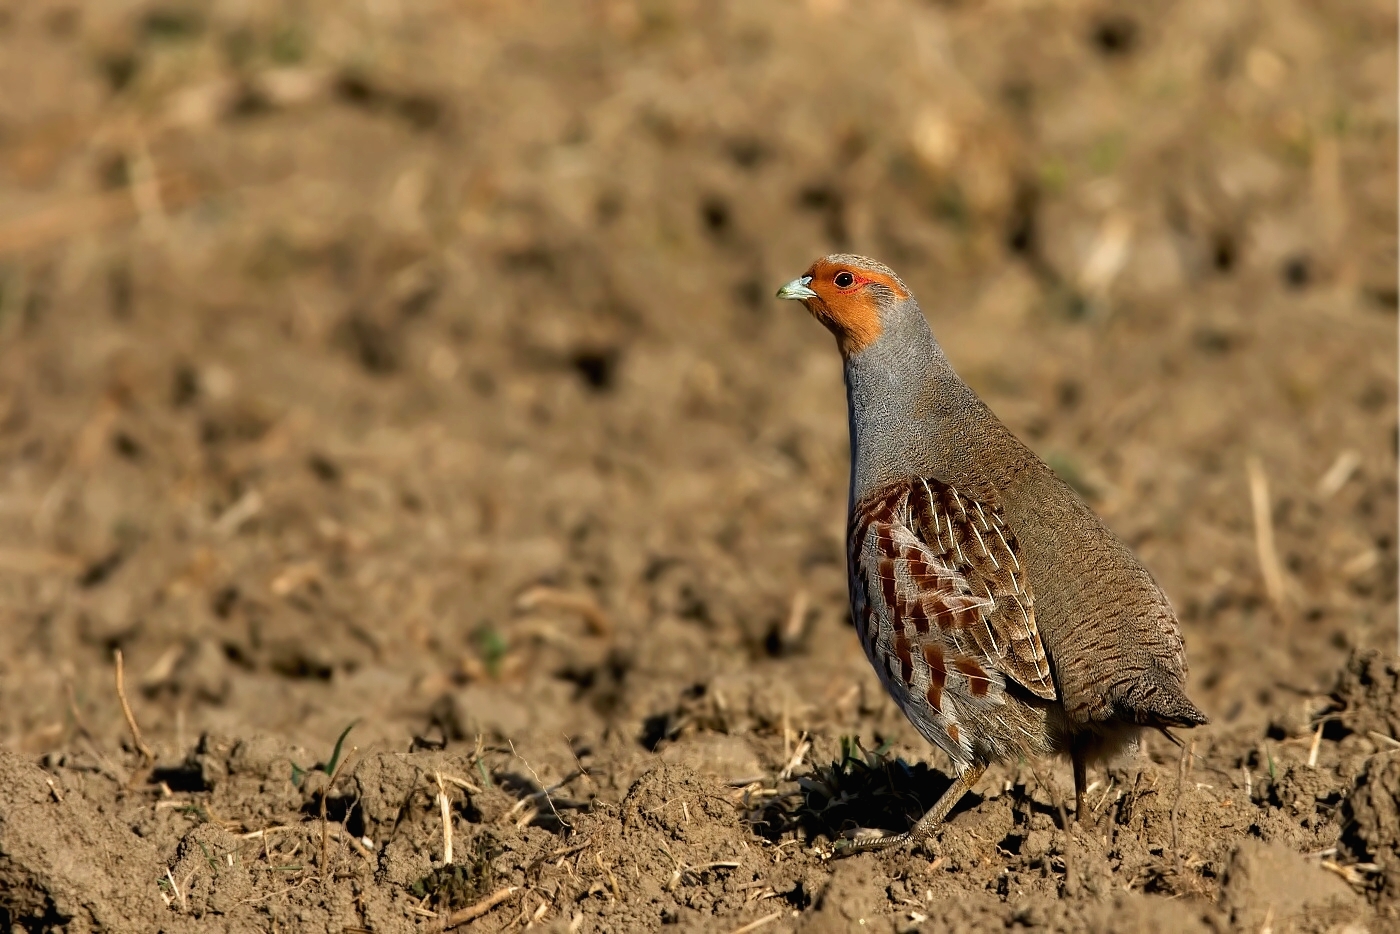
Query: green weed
x,y
299,774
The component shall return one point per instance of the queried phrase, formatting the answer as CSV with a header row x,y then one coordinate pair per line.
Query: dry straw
x,y
1275,581
126,711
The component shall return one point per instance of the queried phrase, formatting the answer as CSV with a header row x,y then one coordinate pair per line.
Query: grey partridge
x,y
1001,614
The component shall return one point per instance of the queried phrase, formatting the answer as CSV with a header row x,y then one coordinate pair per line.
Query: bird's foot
x,y
867,841
864,841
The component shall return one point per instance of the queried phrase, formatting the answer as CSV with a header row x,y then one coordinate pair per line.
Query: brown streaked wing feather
x,y
913,611
972,537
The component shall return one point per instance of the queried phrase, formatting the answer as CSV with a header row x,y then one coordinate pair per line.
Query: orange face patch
x,y
846,304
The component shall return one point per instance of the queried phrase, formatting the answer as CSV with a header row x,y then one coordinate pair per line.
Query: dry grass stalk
x,y
542,793
1275,582
1381,739
159,672
1107,256
1362,563
677,870
126,711
476,910
179,896
459,782
803,746
446,808
1338,474
109,768
612,879
1316,745
1107,793
1355,874
539,914
247,506
584,605
356,843
545,790
797,618
755,925
325,824
262,834
527,818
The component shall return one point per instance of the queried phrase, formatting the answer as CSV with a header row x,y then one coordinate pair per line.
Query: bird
x,y
999,611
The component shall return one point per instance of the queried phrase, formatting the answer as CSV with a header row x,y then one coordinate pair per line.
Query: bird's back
x,y
1111,633
1110,630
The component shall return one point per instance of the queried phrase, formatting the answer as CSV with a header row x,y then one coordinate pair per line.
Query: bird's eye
x,y
844,280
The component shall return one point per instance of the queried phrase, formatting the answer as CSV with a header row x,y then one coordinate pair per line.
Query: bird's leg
x,y
931,819
935,815
1078,756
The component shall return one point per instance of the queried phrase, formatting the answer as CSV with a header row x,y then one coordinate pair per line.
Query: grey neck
x,y
899,391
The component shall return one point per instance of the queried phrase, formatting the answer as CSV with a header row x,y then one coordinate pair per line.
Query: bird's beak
x,y
797,289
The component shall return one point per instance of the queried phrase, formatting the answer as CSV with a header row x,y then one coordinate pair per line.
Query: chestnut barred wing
x,y
943,604
973,538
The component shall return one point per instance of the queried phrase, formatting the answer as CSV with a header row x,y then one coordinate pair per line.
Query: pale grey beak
x,y
797,289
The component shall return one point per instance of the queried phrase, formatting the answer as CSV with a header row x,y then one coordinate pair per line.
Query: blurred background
x,y
416,363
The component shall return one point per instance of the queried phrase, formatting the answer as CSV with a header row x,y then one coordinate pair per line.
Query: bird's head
x,y
853,296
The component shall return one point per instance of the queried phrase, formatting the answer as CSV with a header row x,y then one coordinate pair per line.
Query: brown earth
x,y
411,368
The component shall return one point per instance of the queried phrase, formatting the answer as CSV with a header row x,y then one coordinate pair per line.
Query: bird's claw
x,y
864,842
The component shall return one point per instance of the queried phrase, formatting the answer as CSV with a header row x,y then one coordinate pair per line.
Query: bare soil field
x,y
396,385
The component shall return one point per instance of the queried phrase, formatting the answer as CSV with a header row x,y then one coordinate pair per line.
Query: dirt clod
x,y
65,863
